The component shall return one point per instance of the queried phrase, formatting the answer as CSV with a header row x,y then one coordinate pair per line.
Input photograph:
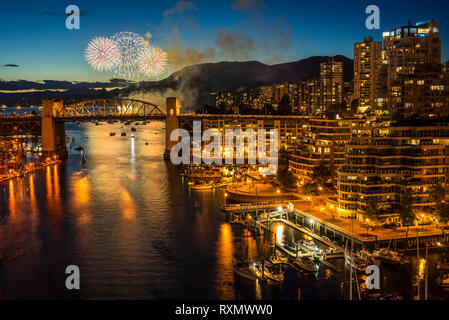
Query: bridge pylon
x,y
172,123
53,133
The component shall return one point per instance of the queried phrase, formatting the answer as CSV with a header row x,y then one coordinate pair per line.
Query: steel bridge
x,y
105,109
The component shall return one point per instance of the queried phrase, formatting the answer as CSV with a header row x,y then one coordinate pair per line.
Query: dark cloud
x,y
181,55
181,6
11,65
247,4
234,45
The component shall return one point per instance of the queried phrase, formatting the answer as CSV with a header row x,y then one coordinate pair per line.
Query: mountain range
x,y
193,84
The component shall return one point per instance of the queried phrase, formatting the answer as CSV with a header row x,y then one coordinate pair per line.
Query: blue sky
x,y
35,38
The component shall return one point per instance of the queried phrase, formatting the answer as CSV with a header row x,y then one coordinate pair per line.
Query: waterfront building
x,y
367,57
331,76
323,143
383,161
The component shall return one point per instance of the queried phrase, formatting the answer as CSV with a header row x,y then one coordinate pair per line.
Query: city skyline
x,y
246,30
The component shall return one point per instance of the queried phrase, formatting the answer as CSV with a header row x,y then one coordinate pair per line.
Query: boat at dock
x,y
112,134
305,264
268,271
133,129
309,245
388,256
201,187
356,261
242,269
123,134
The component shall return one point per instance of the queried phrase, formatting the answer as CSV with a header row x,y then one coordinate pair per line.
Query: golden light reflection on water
x,y
127,204
12,201
225,251
81,198
53,194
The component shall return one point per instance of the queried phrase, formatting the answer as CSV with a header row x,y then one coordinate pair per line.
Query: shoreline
x,y
33,169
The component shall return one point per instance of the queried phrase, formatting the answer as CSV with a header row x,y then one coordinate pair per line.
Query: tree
x,y
321,174
437,194
284,107
287,179
406,211
310,189
442,212
372,209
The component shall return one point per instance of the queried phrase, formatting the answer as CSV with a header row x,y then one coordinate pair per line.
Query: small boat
x,y
132,136
270,272
123,134
309,245
242,269
201,186
133,129
112,134
80,148
356,261
305,264
389,257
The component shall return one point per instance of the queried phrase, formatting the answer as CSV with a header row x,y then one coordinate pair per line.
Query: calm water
x,y
134,229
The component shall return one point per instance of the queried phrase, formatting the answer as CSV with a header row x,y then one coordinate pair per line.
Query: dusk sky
x,y
34,36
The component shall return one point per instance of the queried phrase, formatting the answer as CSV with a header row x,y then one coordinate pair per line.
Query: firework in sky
x,y
153,62
131,45
102,54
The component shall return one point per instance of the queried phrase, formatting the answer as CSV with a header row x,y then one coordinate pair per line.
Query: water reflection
x,y
125,218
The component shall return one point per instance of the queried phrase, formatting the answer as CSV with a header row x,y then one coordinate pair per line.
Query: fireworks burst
x,y
102,54
153,62
130,45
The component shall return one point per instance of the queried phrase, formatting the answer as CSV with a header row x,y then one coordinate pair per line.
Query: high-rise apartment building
x,y
331,76
412,55
367,58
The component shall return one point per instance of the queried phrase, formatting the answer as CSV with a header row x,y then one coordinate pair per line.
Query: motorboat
x,y
123,134
112,134
242,269
80,148
389,257
305,264
133,129
309,245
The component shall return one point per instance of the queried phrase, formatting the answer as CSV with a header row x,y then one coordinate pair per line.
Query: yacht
x,y
389,257
305,264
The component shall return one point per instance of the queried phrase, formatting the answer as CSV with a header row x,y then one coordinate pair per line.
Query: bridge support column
x,y
53,133
172,123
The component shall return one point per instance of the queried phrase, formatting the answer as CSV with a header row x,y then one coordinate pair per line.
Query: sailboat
x,y
242,268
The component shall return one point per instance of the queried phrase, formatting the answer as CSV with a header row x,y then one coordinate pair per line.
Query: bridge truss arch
x,y
115,108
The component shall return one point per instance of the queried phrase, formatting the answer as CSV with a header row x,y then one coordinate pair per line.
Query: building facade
x,y
382,162
412,55
367,58
323,143
331,76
